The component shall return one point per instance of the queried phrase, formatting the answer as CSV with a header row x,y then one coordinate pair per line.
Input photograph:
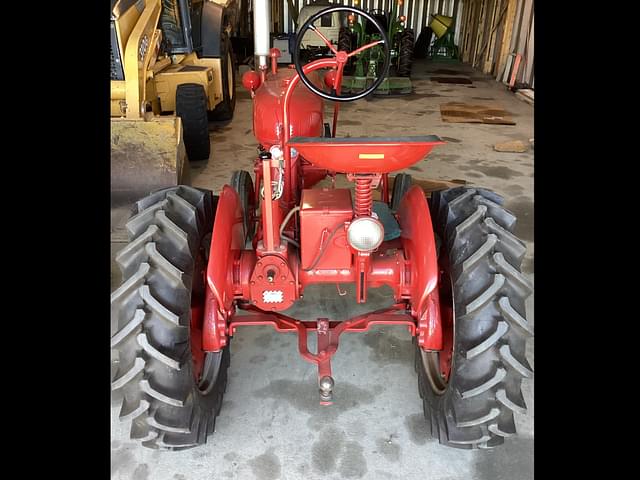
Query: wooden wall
x,y
492,32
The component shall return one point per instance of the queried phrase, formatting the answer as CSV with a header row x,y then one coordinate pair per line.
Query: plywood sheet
x,y
459,112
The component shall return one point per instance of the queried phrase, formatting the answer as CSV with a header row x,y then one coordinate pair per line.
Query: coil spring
x,y
364,197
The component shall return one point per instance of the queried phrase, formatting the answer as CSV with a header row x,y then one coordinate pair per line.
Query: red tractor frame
x,y
273,274
272,237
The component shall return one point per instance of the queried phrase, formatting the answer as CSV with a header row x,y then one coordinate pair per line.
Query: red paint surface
x,y
306,117
347,157
226,243
419,246
214,332
408,265
251,80
323,211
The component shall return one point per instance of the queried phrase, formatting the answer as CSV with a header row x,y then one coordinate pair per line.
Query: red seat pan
x,y
364,154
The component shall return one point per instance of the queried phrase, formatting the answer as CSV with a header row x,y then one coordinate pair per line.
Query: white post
x,y
261,30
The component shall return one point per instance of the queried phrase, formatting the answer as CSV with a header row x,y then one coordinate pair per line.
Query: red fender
x,y
226,243
420,249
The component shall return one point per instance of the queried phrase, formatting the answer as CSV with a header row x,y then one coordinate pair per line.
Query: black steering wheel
x,y
342,57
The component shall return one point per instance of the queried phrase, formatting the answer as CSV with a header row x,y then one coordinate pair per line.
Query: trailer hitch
x,y
328,333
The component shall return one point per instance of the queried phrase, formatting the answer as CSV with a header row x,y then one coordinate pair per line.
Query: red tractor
x,y
200,266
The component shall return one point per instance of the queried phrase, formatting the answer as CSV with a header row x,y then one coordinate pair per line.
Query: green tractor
x,y
443,47
363,69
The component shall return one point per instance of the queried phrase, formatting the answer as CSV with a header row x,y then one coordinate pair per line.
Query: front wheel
x,y
472,389
191,107
172,390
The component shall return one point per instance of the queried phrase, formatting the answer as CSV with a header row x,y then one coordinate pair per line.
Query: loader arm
x,y
141,47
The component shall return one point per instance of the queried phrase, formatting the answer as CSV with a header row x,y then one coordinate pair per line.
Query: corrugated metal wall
x,y
418,12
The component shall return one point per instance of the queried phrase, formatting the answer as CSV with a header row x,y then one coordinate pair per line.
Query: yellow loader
x,y
172,70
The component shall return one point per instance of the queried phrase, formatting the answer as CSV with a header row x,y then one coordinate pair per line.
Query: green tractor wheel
x,y
405,53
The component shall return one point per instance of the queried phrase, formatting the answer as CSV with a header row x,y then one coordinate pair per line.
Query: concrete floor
x,y
271,426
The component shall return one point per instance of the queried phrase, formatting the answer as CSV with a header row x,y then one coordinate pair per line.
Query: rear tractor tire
x,y
472,389
405,53
172,390
346,41
401,185
191,107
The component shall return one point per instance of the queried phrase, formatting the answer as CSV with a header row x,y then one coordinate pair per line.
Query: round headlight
x,y
276,152
365,234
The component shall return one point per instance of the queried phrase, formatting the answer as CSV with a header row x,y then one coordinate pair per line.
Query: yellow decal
x,y
371,156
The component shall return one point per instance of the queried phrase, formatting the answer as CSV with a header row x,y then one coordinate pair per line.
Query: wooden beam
x,y
506,36
471,29
491,40
523,34
480,34
466,29
491,22
528,70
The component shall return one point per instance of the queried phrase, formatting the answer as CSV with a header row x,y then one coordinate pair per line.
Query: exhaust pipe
x,y
261,28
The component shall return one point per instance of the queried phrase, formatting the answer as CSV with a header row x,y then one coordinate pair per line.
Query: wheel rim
x,y
211,367
230,76
437,365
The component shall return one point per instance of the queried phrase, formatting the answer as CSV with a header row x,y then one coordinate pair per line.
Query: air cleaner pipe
x,y
261,28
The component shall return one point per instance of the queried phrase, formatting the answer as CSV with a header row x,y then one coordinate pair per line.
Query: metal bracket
x,y
328,334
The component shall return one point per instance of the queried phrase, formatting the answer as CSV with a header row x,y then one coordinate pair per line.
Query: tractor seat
x,y
364,154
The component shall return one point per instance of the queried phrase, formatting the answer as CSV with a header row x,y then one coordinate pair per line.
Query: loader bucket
x,y
146,154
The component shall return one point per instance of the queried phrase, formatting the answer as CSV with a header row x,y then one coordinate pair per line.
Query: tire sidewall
x,y
224,110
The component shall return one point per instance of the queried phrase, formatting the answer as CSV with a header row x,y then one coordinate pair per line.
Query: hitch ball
x,y
326,388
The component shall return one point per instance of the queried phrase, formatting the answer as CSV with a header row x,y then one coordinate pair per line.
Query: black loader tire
x,y
401,184
162,267
242,183
476,407
405,53
191,107
224,110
